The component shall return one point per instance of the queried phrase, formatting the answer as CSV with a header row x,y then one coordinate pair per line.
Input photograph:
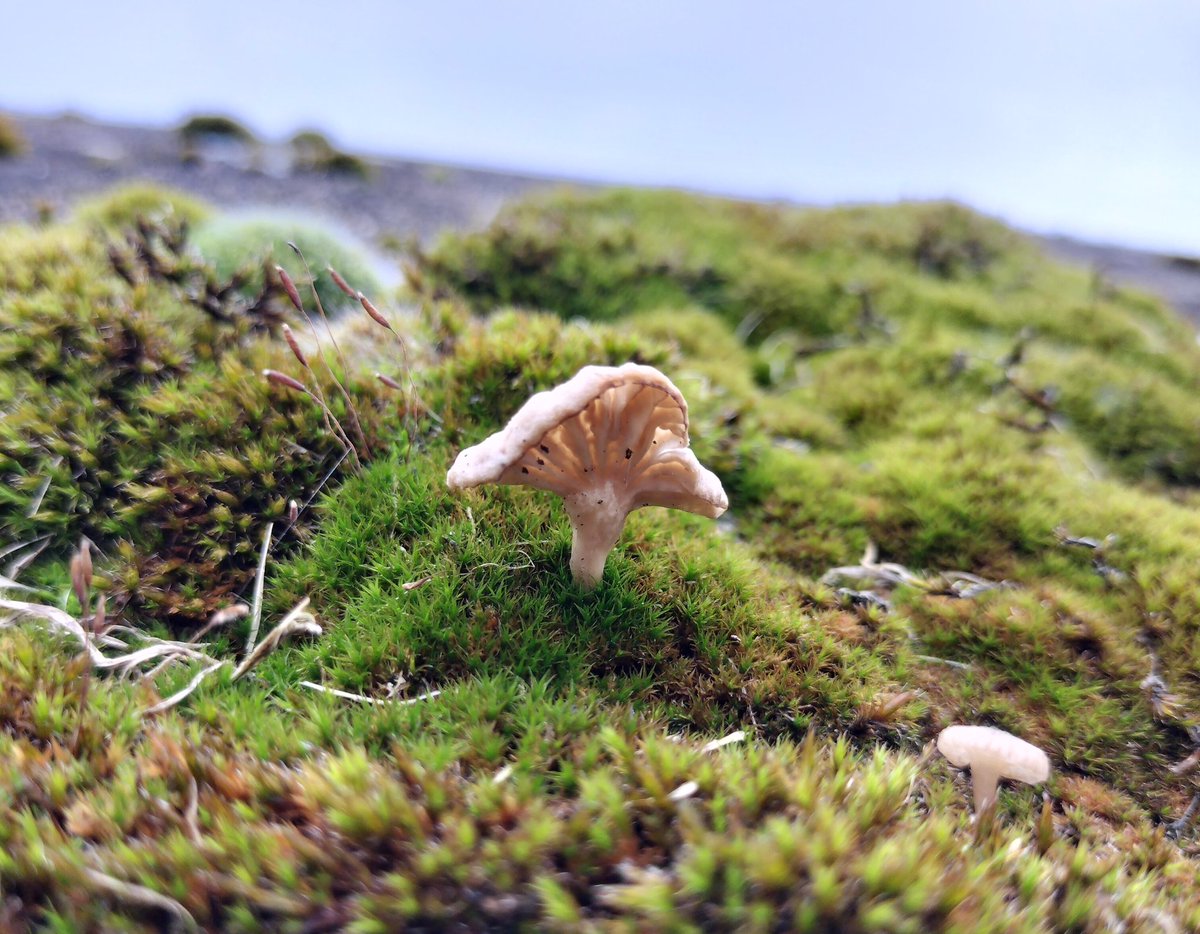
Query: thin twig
x,y
256,603
308,502
735,737
18,564
1176,827
943,661
363,699
507,567
350,409
684,791
133,894
191,813
298,620
223,617
168,702
41,491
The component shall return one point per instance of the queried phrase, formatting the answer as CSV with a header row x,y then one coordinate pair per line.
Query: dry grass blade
x,y
149,676
298,622
331,422
81,573
934,660
26,553
42,489
507,567
256,603
157,650
132,894
350,409
191,815
7,583
363,699
59,619
183,693
126,664
684,791
223,617
735,737
1187,765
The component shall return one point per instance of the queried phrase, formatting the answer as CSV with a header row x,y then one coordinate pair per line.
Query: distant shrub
x,y
309,145
12,140
312,151
233,244
199,126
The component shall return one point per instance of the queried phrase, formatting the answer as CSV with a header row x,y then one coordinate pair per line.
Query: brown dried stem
x,y
293,294
290,382
350,408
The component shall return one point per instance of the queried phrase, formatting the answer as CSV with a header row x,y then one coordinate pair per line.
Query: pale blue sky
x,y
1080,116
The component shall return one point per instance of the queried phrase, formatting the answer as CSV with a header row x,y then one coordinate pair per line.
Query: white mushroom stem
x,y
597,520
985,781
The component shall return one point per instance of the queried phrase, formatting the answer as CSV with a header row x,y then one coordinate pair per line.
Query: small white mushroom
x,y
608,441
991,755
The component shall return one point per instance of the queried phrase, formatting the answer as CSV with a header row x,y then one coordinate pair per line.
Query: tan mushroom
x,y
608,441
991,755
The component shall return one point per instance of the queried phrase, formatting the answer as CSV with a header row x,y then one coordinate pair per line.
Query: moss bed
x,y
914,382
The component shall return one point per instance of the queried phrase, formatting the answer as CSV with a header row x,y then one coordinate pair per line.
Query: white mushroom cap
x,y
991,755
608,441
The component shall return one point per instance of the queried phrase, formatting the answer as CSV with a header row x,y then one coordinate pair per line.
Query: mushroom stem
x,y
597,521
985,779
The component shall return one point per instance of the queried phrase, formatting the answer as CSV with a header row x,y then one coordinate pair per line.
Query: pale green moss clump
x,y
915,382
250,243
121,207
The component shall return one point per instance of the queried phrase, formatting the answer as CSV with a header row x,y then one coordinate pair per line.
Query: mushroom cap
x,y
986,748
620,429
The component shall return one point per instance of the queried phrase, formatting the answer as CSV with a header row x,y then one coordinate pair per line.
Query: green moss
x,y
421,832
610,254
914,379
892,421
